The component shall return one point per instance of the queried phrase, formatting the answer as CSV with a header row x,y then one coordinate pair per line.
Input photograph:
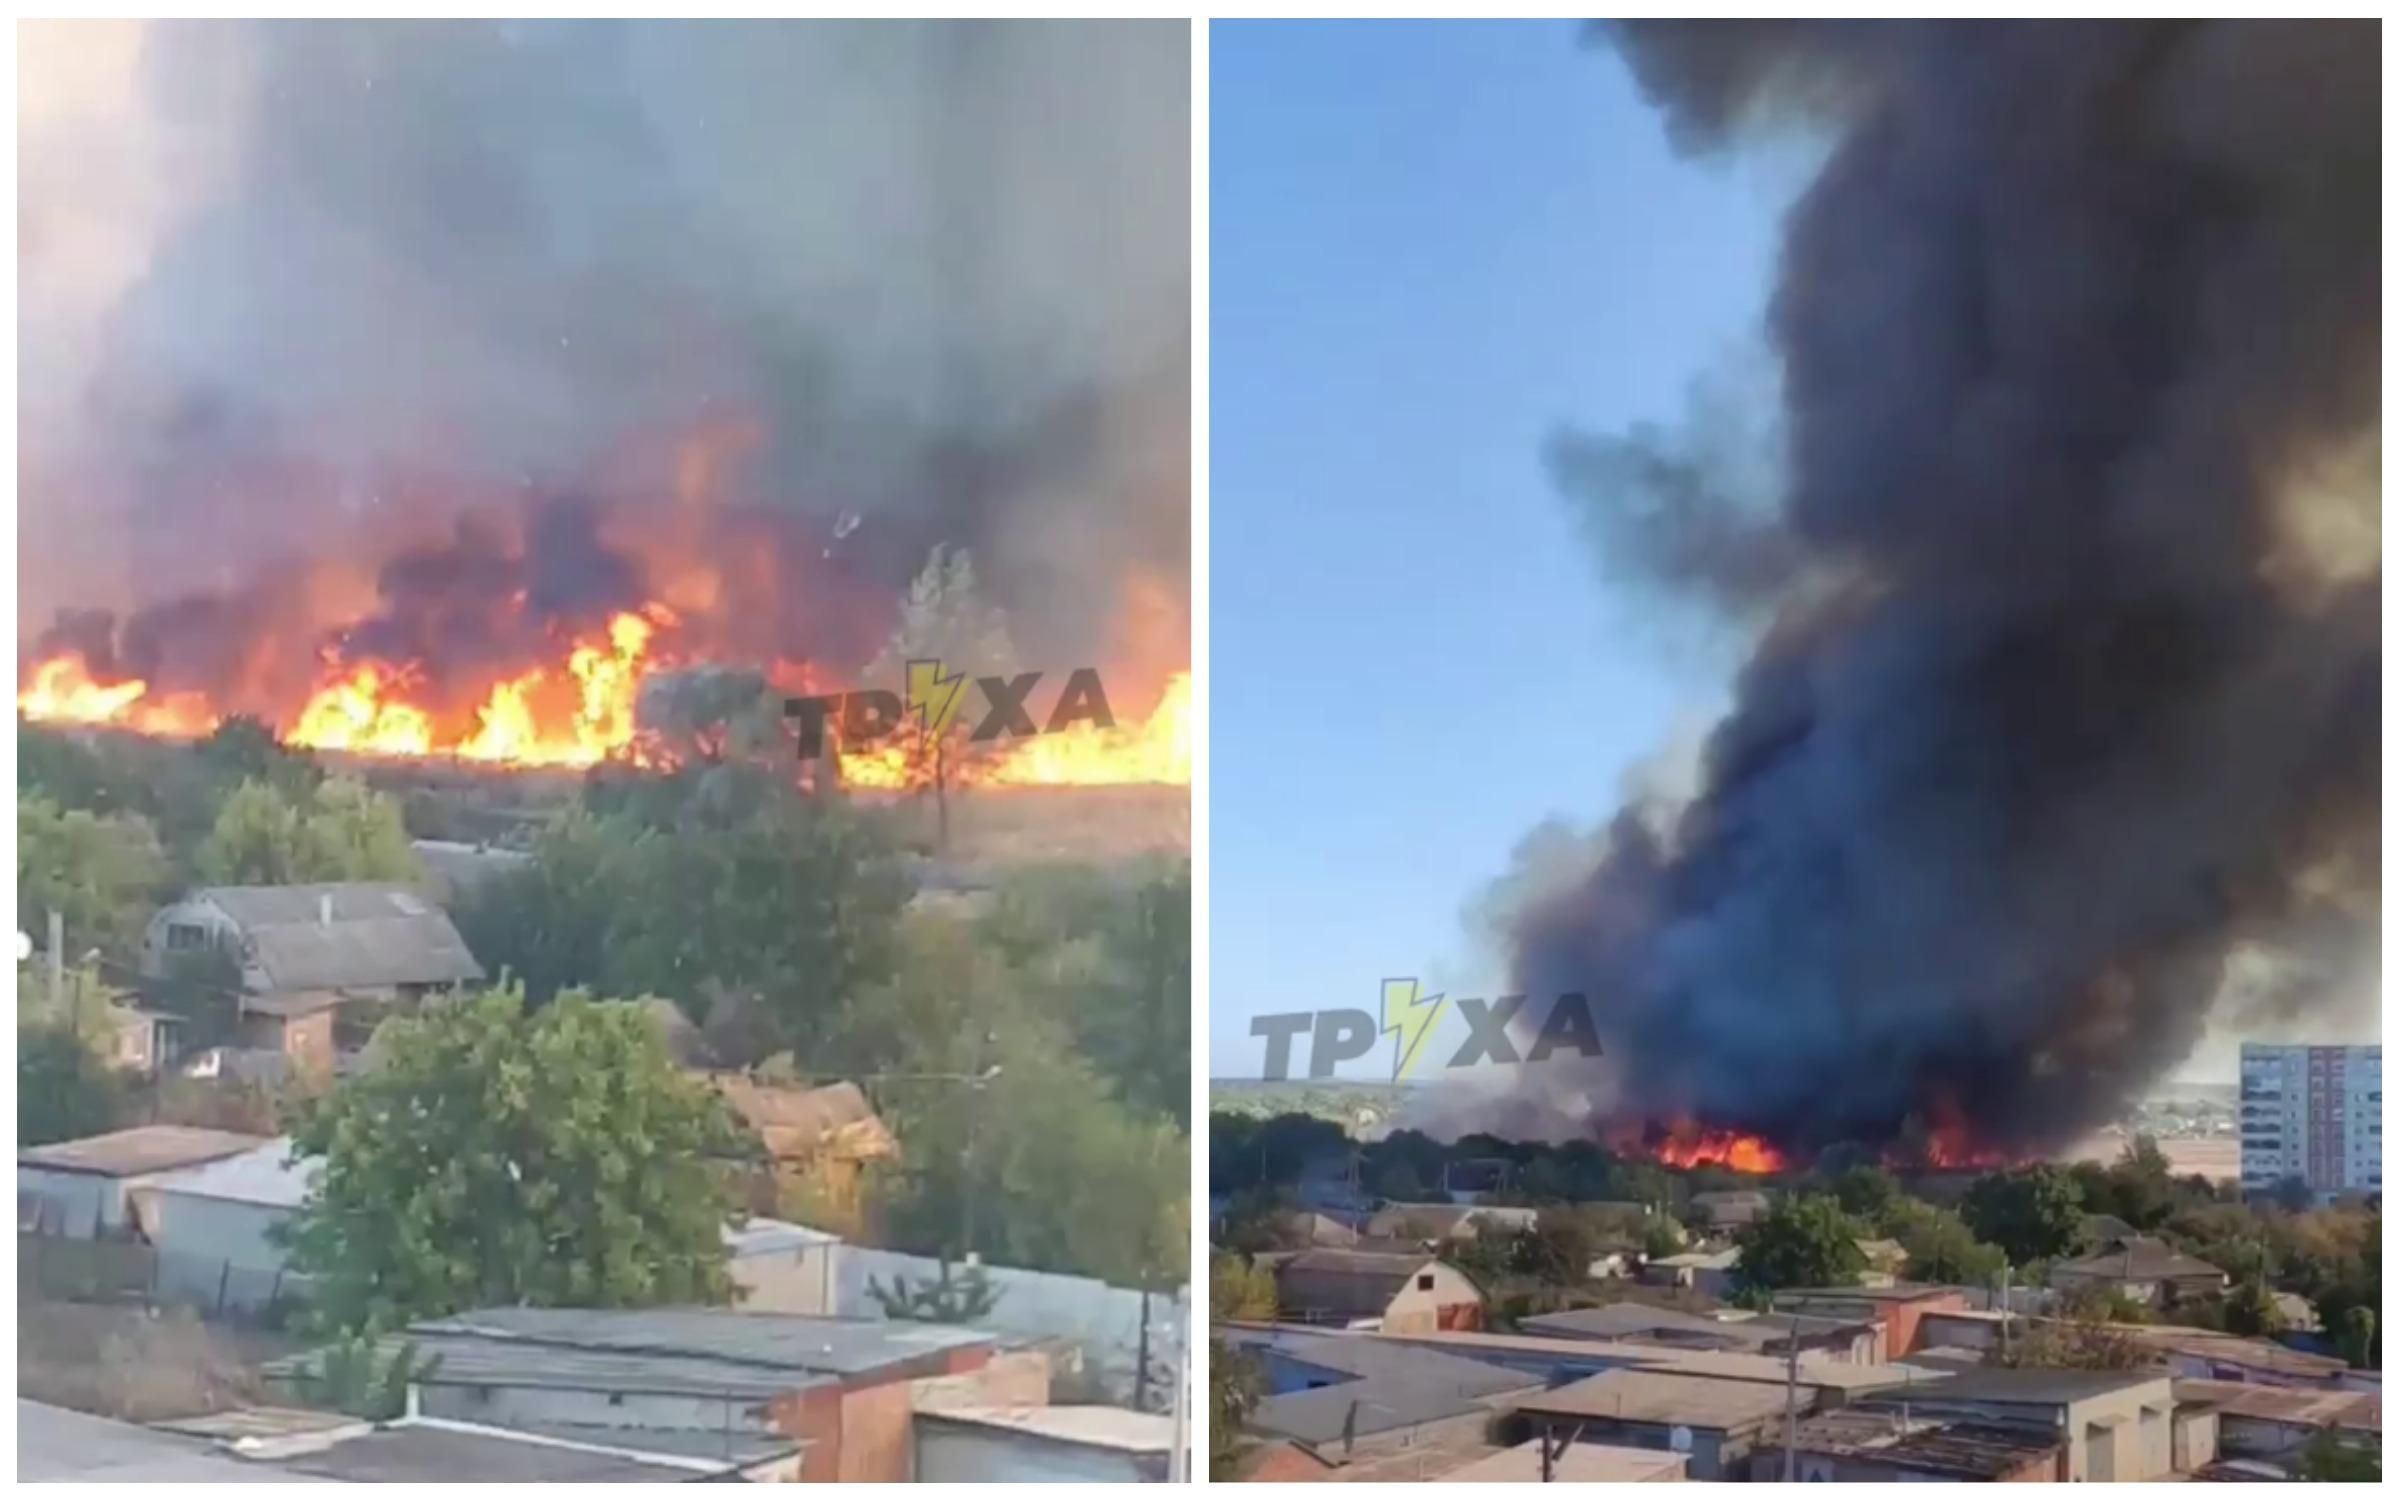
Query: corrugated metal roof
x,y
378,934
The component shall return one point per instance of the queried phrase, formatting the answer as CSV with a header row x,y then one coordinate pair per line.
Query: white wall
x,y
213,1248
1105,1320
805,1279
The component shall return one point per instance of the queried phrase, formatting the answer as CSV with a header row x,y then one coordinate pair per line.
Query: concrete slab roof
x,y
138,1152
1091,1426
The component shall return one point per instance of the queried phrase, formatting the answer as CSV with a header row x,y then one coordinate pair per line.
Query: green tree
x,y
62,769
358,1375
2250,1309
497,1157
2330,1459
1235,1387
64,1090
265,834
1866,1192
1557,1249
2032,1213
2357,1340
242,748
2073,1343
1240,1290
103,875
1019,1149
1940,1246
1801,1240
1111,956
943,1299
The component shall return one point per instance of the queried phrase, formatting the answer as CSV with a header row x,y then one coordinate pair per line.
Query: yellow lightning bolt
x,y
1410,1020
933,698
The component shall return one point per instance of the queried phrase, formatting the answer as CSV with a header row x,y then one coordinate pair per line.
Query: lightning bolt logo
x,y
933,698
1408,1020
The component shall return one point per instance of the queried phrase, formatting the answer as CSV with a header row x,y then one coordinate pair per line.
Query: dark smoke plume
x,y
291,288
2066,699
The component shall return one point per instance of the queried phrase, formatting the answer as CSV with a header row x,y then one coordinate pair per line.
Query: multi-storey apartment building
x,y
2315,1113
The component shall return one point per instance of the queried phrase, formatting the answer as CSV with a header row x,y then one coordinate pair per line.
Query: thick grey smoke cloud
x,y
2067,695
939,269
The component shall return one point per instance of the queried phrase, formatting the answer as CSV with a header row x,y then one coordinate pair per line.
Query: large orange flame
x,y
1158,751
580,711
1690,1145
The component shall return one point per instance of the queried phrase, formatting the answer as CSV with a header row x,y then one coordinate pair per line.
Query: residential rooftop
x,y
1655,1396
140,1151
352,934
2140,1258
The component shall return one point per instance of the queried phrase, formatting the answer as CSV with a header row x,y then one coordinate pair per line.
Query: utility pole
x,y
58,972
1791,1402
1178,1461
2005,1311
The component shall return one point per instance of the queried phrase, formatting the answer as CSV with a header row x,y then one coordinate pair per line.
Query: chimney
x,y
325,909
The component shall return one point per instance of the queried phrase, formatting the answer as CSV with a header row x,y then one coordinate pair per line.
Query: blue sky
x,y
1431,243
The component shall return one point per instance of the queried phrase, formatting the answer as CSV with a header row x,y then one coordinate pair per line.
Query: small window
x,y
182,937
1425,1282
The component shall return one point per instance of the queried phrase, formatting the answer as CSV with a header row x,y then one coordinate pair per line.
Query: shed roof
x,y
2357,1411
465,1360
55,1443
1660,1397
781,1341
1088,1426
138,1152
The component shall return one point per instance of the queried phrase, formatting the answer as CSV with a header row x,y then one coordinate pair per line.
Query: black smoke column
x,y
2066,691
